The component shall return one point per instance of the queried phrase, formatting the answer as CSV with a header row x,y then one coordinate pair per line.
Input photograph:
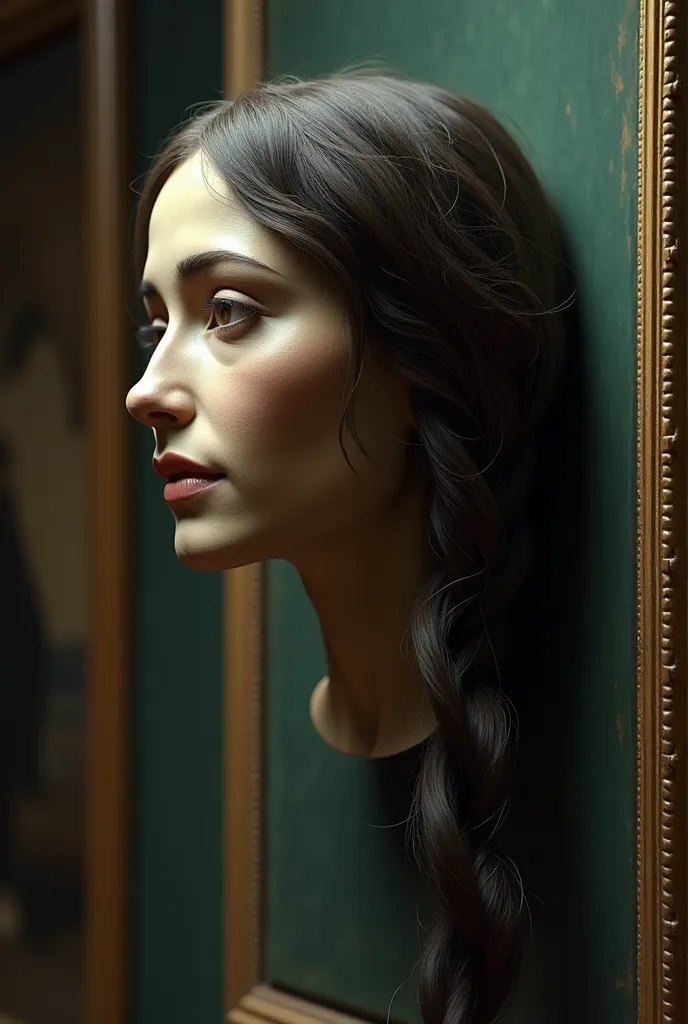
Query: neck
x,y
372,702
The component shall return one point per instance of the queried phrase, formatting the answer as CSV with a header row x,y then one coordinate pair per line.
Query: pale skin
x,y
254,392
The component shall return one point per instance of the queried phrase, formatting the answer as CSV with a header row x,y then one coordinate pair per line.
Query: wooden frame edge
x,y
107,882
242,752
242,683
662,520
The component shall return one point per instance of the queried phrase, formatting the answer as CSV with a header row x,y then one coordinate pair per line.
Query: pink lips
x,y
184,478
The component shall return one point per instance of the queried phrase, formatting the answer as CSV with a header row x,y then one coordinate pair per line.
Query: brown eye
x,y
223,315
228,314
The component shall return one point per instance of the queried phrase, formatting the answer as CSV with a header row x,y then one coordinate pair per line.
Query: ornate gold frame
x,y
662,519
25,23
662,714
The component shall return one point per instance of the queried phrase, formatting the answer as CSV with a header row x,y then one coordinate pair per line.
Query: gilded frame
x,y
24,24
662,516
662,584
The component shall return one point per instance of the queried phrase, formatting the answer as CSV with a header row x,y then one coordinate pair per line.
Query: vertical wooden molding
x,y
243,782
662,520
107,891
242,732
244,27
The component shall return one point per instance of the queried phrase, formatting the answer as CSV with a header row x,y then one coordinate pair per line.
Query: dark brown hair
x,y
446,250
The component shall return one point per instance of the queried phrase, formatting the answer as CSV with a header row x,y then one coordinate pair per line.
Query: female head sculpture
x,y
354,293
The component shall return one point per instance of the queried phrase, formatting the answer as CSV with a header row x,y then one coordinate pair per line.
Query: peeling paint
x,y
625,147
625,134
568,110
622,40
611,166
617,80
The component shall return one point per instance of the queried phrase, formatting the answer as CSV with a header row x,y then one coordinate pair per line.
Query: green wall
x,y
176,61
341,902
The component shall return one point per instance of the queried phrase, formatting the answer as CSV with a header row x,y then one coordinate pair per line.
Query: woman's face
x,y
247,377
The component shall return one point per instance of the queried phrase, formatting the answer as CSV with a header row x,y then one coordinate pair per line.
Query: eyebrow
x,y
191,265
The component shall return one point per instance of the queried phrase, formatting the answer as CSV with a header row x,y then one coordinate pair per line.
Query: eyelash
x,y
148,335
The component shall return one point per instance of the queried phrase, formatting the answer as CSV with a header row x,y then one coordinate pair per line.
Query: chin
x,y
205,551
205,561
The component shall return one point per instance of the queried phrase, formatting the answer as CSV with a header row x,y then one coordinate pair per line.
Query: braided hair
x,y
447,253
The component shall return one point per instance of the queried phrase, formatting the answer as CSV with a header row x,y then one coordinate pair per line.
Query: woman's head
x,y
258,400
404,331
408,247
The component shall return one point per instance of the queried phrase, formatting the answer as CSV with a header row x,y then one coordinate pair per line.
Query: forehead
x,y
196,211
194,191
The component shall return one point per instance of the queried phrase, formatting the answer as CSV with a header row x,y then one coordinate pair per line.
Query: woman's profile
x,y
353,292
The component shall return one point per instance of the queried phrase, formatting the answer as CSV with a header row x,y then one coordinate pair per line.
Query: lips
x,y
184,478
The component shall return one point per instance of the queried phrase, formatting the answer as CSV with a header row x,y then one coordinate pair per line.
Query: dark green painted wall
x,y
341,905
176,61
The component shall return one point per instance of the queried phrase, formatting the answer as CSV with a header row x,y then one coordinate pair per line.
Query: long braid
x,y
472,957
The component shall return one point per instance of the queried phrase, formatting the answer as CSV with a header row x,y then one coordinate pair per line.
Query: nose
x,y
155,405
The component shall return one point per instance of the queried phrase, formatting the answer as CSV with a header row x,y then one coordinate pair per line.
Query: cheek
x,y
277,408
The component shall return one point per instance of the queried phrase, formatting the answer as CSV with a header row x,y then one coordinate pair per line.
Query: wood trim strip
x,y
244,28
662,519
107,882
242,746
242,894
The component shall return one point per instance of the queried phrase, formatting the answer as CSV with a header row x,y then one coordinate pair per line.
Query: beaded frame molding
x,y
662,538
662,519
